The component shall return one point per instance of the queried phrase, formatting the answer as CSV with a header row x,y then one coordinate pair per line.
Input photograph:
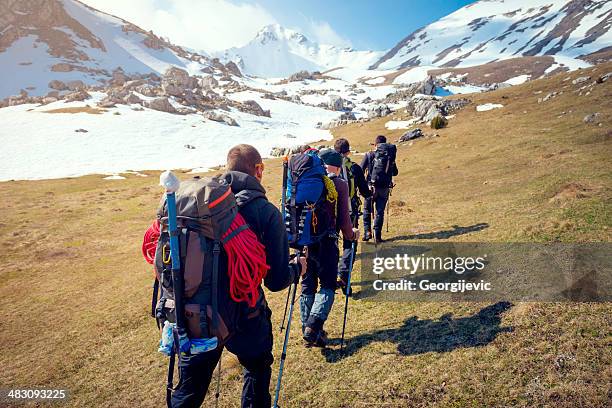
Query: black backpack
x,y
382,164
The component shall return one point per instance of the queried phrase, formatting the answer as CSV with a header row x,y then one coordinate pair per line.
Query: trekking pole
x,y
171,184
389,204
218,381
283,212
284,353
348,292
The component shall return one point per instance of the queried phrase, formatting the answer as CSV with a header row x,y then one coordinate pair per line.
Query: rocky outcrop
x,y
208,82
379,111
335,103
411,134
425,108
77,96
220,117
57,85
253,108
161,104
132,99
176,80
75,85
233,69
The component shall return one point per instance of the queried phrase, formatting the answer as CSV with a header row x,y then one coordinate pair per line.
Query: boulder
x,y
161,104
433,112
132,99
411,134
254,108
57,85
379,111
233,68
335,103
53,94
300,76
48,99
580,80
590,118
220,117
208,82
347,116
77,96
176,80
129,85
75,85
147,90
119,78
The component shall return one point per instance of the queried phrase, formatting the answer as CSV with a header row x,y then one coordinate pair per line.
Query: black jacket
x,y
368,162
360,181
266,221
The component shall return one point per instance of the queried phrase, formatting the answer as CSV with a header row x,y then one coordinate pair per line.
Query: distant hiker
x,y
380,168
353,174
251,341
323,257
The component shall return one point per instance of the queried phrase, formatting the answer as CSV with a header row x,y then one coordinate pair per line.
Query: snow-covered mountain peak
x,y
277,51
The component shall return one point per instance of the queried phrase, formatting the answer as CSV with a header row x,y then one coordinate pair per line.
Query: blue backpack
x,y
309,216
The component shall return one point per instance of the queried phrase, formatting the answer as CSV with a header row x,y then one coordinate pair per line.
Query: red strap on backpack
x,y
246,266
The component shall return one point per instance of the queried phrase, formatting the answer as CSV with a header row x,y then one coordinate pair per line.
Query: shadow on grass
x,y
444,234
423,336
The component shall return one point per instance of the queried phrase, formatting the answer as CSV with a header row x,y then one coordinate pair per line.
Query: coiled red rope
x,y
149,242
246,263
246,260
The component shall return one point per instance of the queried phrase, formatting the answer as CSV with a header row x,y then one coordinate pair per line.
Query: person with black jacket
x,y
252,343
380,192
352,173
319,282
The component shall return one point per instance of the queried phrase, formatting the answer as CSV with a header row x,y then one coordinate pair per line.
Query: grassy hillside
x,y
75,291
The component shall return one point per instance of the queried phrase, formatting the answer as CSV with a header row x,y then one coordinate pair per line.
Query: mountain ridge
x,y
486,31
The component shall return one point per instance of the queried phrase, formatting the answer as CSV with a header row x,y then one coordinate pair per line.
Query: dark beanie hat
x,y
331,157
380,139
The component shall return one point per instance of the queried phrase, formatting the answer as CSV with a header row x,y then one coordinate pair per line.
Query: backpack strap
x,y
293,223
235,232
215,284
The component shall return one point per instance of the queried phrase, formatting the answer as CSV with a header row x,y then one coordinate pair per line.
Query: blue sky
x,y
373,24
213,25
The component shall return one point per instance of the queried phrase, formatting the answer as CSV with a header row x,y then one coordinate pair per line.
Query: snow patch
x,y
517,80
400,124
488,107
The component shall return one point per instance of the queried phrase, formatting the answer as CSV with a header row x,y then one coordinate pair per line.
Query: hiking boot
x,y
367,235
321,339
378,238
310,336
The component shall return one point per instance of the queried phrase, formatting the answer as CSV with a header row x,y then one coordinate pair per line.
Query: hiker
x,y
323,257
353,174
380,168
252,341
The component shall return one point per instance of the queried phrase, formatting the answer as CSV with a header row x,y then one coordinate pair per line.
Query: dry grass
x,y
78,109
75,291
